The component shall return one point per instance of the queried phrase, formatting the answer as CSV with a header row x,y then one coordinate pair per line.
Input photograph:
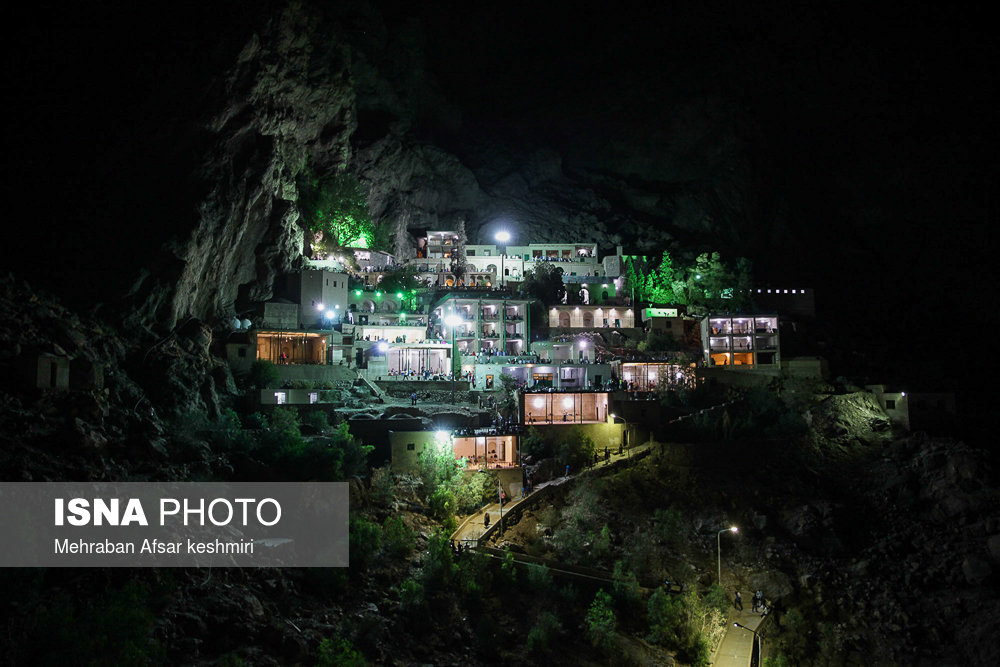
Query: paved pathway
x,y
737,644
472,527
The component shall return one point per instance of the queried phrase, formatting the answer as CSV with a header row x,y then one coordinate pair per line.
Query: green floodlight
x,y
399,295
357,292
378,293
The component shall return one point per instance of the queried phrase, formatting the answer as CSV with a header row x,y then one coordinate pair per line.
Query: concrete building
x,y
654,375
564,407
741,342
489,323
591,317
323,298
664,320
309,299
894,403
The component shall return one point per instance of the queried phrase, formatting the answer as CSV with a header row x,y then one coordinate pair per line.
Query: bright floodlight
x,y
452,320
735,529
382,347
502,236
329,314
320,306
583,344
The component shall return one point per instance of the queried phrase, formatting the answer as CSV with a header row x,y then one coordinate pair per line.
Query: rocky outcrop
x,y
288,101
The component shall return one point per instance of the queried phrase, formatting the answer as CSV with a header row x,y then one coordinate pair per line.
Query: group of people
x,y
757,603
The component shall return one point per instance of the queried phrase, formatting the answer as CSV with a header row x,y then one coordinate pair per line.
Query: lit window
x,y
280,397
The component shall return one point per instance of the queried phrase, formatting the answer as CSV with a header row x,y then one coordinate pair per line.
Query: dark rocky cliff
x,y
348,89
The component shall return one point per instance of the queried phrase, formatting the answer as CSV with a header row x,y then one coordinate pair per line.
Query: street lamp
x,y
453,321
502,236
718,547
756,636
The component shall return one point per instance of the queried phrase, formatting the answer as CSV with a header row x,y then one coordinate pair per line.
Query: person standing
x,y
413,398
738,602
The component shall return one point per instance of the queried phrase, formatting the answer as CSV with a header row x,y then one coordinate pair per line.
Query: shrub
x,y
439,563
318,420
263,374
474,491
577,453
383,486
535,446
546,627
669,525
539,578
411,595
443,503
366,540
601,621
339,652
676,623
626,586
397,537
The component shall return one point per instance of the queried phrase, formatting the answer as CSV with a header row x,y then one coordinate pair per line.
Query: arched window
x,y
563,319
588,319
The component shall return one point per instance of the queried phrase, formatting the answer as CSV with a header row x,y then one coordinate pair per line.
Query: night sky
x,y
875,127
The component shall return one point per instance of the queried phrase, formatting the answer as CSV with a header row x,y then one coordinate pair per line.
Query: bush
x,y
411,595
365,540
601,621
544,630
339,652
439,563
679,623
443,503
670,526
318,420
397,537
263,374
474,491
539,578
383,486
577,453
535,446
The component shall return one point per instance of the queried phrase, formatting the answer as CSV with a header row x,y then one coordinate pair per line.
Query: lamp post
x,y
502,236
718,547
756,637
453,321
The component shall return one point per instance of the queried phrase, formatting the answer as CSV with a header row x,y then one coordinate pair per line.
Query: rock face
x,y
331,88
287,101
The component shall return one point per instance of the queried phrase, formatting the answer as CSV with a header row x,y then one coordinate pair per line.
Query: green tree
x,y
601,621
263,374
335,209
660,282
545,283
